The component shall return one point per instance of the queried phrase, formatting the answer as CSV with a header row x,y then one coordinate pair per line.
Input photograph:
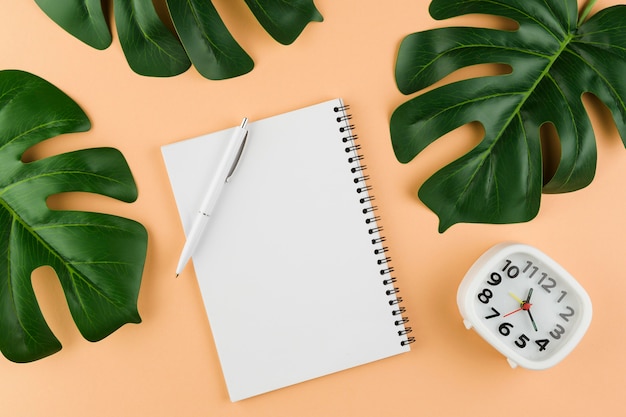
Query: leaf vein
x,y
527,15
34,129
148,37
608,85
477,45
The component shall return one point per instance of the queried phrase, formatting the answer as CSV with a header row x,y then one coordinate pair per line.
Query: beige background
x,y
167,366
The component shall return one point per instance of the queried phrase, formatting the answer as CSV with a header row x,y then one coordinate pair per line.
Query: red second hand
x,y
508,314
525,306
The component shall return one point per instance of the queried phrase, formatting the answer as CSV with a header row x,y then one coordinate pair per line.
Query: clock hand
x,y
516,298
524,305
532,320
515,311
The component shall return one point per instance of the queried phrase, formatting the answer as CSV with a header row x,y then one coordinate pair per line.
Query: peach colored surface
x,y
167,365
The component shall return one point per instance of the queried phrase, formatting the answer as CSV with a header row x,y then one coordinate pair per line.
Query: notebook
x,y
292,268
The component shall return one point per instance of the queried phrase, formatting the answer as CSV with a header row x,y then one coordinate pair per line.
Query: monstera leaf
x,y
98,258
555,58
152,50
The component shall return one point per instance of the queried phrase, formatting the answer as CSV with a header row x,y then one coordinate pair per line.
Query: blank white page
x,y
292,287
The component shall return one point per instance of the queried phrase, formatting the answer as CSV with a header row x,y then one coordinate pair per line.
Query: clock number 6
x,y
505,329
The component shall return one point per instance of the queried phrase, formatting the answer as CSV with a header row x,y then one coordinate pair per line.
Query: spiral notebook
x,y
293,268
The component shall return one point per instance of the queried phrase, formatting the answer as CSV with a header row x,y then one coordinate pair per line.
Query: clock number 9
x,y
495,279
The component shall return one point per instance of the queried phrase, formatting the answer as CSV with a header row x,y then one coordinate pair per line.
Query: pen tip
x,y
177,275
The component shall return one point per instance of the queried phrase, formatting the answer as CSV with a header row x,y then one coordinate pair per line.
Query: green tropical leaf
x,y
82,18
212,49
554,61
152,50
284,20
98,258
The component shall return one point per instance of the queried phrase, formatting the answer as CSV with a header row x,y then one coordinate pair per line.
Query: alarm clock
x,y
525,305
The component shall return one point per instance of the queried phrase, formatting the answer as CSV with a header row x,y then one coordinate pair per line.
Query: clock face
x,y
525,304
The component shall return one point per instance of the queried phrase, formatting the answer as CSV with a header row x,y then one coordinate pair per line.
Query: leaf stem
x,y
586,11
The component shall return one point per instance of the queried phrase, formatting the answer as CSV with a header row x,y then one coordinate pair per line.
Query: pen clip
x,y
233,168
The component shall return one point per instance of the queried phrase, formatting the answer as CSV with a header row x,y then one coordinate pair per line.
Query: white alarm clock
x,y
524,304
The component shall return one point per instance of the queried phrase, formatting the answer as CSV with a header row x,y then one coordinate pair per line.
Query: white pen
x,y
224,170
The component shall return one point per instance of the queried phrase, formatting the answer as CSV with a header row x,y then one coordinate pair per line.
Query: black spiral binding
x,y
371,218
